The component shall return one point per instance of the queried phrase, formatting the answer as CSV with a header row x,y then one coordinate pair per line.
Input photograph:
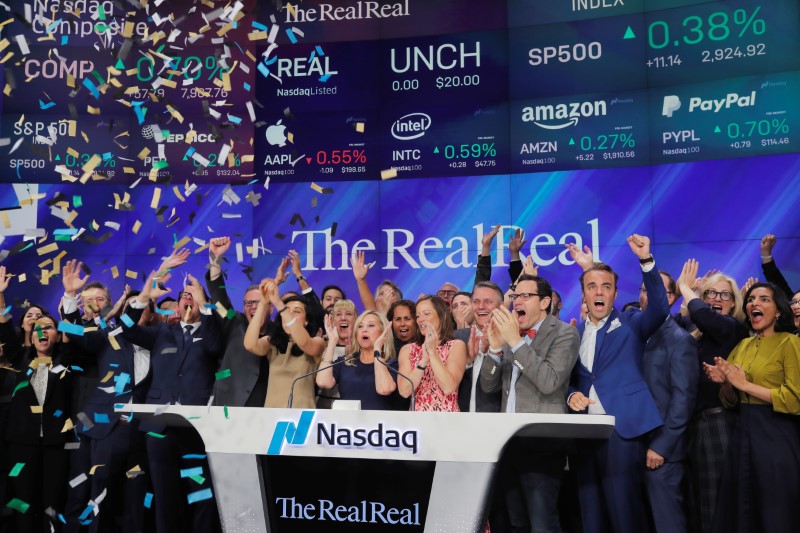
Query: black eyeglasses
x,y
250,303
794,303
443,293
723,295
524,296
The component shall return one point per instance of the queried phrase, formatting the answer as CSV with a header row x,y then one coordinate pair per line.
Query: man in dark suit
x,y
608,380
531,355
244,379
184,360
486,297
671,369
107,440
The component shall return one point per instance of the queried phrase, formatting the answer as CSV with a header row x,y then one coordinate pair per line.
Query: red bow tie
x,y
528,332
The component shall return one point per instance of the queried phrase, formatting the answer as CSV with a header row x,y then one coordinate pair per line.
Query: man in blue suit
x,y
671,370
183,362
608,380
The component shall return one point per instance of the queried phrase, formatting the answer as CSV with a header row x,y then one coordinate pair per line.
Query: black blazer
x,y
23,424
247,384
179,373
98,404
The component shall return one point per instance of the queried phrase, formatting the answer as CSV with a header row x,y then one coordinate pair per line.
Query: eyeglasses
x,y
250,303
442,293
97,299
723,295
184,294
794,303
524,296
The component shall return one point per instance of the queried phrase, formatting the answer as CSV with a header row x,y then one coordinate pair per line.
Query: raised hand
x,y
584,258
516,243
688,278
4,279
506,325
529,267
747,284
175,259
196,289
217,247
486,241
381,340
295,259
331,330
71,277
767,244
495,339
280,275
640,245
359,268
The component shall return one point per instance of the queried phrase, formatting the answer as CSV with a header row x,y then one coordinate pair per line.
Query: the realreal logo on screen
x,y
337,436
367,512
411,126
358,11
672,103
402,250
560,116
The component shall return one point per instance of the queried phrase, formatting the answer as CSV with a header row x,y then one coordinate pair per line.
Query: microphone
x,y
337,362
413,398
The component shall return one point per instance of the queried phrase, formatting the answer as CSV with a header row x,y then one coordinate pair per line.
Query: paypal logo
x,y
291,433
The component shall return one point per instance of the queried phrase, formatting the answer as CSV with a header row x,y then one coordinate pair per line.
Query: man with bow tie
x,y
608,380
531,355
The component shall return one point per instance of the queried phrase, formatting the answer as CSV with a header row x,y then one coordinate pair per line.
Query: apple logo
x,y
276,135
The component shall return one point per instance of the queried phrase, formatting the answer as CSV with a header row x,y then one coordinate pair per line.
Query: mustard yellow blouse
x,y
772,362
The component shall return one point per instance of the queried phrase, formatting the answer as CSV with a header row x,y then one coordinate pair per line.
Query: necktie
x,y
187,337
528,333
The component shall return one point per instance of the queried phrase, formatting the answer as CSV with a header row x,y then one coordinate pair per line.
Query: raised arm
x,y
4,280
514,246
657,310
384,380
325,378
360,273
253,341
483,271
771,271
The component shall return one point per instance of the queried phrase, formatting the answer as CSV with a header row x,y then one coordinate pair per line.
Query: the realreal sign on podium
x,y
292,470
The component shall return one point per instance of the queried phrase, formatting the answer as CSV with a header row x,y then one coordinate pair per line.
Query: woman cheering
x,y
435,364
760,484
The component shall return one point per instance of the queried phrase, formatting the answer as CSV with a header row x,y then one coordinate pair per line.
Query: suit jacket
x,y
23,425
774,275
671,371
483,270
616,373
179,373
99,404
247,384
485,402
545,366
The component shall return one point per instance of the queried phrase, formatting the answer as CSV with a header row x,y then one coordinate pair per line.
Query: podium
x,y
279,470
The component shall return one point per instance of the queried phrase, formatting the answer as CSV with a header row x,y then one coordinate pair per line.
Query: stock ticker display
x,y
405,129
359,90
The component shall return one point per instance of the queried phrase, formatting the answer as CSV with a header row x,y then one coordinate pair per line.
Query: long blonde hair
x,y
736,312
388,345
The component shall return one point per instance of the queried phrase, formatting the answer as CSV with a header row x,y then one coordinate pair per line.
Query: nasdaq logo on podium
x,y
291,433
338,436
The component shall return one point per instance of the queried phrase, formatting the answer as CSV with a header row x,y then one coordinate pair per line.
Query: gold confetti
x,y
136,226
114,272
131,274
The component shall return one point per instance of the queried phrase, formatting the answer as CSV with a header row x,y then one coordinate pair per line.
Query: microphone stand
x,y
337,362
413,398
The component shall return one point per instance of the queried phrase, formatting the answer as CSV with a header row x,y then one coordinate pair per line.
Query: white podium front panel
x,y
299,470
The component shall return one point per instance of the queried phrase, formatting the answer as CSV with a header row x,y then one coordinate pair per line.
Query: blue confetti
x,y
126,320
189,472
194,456
291,35
92,89
58,413
101,418
200,495
148,500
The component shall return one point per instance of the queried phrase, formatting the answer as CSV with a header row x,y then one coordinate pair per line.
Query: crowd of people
x,y
704,396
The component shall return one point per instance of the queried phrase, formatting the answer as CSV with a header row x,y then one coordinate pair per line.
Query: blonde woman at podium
x,y
290,346
361,376
436,362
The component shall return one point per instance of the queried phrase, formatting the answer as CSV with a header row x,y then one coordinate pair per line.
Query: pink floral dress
x,y
429,396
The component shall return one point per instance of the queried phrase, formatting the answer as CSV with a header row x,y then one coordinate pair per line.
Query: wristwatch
x,y
645,260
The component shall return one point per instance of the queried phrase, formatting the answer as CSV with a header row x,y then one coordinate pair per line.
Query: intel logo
x,y
411,126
